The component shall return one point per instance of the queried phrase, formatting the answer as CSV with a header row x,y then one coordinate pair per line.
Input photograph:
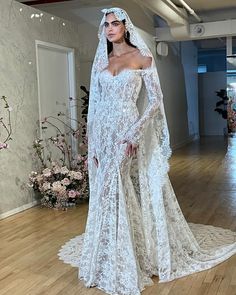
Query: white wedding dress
x,y
135,228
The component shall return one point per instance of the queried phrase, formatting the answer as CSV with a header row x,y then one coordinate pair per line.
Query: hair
x,y
127,40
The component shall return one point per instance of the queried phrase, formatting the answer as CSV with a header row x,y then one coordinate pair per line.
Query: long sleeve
x,y
93,100
154,94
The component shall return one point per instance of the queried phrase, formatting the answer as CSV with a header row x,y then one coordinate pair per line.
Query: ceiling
x,y
31,2
81,10
208,10
197,5
206,5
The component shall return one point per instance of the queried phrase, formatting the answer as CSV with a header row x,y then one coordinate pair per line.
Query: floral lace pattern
x,y
135,227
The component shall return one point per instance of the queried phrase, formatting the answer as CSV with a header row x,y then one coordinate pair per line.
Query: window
x,y
202,69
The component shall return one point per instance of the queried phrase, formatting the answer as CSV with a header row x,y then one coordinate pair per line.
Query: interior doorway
x,y
56,85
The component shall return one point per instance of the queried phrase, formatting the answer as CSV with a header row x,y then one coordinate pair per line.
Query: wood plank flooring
x,y
204,180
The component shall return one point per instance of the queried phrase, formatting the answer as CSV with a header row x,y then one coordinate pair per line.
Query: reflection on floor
x,y
204,178
203,175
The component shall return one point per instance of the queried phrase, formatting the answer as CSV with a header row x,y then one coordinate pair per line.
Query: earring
x,y
126,35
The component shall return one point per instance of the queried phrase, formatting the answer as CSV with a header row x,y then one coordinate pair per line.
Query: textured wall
x,y
18,81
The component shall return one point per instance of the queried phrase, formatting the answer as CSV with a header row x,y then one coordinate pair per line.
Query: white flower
x,y
78,175
34,173
39,178
47,172
46,186
56,186
64,170
57,169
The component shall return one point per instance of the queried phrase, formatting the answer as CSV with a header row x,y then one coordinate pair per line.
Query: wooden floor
x,y
204,179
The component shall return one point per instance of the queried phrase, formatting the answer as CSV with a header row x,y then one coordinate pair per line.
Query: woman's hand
x,y
131,149
95,161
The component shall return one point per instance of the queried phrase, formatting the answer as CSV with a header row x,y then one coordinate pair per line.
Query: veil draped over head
x,y
156,134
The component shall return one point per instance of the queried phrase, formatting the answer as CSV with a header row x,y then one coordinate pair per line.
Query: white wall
x,y
172,79
211,123
189,56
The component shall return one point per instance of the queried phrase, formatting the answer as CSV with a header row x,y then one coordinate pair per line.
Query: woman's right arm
x,y
94,97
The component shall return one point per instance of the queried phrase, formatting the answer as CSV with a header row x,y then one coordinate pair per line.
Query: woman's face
x,y
114,29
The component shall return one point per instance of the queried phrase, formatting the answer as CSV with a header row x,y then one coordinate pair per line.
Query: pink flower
x,y
65,181
72,194
3,145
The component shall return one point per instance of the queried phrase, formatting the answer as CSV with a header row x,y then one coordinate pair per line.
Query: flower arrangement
x,y
5,124
231,112
60,186
62,182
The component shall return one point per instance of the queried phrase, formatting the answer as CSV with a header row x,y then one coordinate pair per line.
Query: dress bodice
x,y
117,102
122,88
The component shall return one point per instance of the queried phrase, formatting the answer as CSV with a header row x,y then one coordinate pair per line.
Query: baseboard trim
x,y
183,143
19,209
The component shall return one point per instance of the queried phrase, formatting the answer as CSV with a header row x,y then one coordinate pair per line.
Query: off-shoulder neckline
x,y
127,70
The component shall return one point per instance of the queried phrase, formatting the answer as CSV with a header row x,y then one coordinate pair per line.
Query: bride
x,y
135,228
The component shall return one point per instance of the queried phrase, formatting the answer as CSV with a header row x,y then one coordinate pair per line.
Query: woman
x,y
135,228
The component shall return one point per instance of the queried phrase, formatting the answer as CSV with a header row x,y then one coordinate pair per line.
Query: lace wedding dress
x,y
135,227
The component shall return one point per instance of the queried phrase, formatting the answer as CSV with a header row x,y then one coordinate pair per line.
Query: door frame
x,y
72,86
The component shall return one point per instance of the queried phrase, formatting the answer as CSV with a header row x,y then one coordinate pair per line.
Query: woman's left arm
x,y
154,93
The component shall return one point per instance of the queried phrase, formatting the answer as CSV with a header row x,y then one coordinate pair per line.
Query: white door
x,y
56,84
